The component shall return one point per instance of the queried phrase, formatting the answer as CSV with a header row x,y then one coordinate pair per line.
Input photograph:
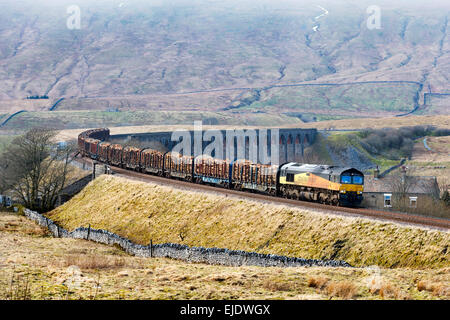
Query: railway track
x,y
370,213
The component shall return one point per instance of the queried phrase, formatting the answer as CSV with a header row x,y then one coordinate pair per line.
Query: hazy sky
x,y
396,3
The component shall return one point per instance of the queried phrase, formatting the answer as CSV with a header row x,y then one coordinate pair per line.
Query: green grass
x,y
338,141
339,100
319,149
89,119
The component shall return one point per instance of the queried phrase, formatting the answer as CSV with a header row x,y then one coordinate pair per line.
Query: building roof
x,y
415,184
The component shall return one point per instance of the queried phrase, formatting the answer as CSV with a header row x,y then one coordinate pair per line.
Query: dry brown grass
x,y
42,268
319,283
436,288
90,262
277,285
143,211
389,291
441,121
342,289
440,149
19,226
219,277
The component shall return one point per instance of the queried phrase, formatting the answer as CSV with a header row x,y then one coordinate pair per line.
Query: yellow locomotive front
x,y
351,187
326,184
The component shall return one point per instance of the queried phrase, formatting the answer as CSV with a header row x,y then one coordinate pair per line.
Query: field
x,y
353,100
432,163
166,214
437,104
442,121
87,119
37,266
143,66
440,150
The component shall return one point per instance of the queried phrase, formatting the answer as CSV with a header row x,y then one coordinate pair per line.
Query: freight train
x,y
332,185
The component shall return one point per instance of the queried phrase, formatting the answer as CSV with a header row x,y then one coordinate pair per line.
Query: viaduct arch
x,y
292,141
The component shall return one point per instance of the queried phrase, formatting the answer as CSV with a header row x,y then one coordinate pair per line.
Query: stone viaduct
x,y
292,142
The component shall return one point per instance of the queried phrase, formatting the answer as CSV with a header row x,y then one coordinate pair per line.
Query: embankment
x,y
217,256
142,212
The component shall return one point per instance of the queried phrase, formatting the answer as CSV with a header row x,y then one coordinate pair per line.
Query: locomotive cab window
x,y
346,179
358,179
290,177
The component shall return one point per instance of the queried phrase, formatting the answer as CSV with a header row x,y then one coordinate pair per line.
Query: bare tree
x,y
401,183
444,187
311,157
35,169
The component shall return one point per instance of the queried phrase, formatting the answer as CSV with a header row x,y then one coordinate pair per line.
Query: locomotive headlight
x,y
342,191
359,192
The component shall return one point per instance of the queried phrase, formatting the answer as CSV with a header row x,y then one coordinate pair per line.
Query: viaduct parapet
x,y
292,141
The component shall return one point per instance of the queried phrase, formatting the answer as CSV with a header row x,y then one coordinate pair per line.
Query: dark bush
x,y
396,143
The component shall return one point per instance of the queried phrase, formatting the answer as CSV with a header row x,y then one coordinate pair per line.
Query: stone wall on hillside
x,y
214,256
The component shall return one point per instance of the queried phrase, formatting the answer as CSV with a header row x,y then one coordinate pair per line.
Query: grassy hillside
x,y
62,268
353,100
440,121
87,119
143,211
384,147
185,55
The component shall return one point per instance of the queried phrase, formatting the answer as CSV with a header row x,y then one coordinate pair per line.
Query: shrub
x,y
396,143
317,282
93,261
342,289
436,288
389,291
276,285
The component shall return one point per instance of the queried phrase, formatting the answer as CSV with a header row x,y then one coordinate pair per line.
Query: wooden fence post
x,y
151,248
89,232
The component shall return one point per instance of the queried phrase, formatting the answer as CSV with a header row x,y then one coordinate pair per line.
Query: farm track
x,y
443,224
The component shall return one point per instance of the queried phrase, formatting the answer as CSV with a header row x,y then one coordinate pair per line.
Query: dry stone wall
x,y
214,256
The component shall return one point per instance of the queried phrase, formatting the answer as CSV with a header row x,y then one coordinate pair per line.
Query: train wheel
x,y
335,202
